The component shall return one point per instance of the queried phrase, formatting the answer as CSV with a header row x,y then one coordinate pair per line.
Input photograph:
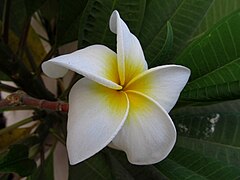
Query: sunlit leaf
x,y
214,61
20,14
13,136
35,47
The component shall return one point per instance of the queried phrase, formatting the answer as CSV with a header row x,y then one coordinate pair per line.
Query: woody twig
x,y
21,99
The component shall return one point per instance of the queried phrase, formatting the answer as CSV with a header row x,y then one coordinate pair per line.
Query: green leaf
x,y
217,11
214,60
186,164
33,5
147,20
212,135
34,46
16,160
208,141
95,168
164,54
212,130
14,136
112,164
173,170
94,24
134,171
46,171
118,170
184,16
17,17
4,77
34,49
68,21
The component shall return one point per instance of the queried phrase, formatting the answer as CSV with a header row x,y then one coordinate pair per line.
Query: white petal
x,y
131,61
148,134
162,83
96,62
96,114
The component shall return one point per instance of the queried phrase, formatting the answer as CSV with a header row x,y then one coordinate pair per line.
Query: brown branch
x,y
20,98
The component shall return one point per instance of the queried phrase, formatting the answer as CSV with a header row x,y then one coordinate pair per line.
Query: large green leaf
x,y
68,21
147,20
184,16
208,142
132,171
218,10
94,26
95,168
166,50
112,164
214,60
213,135
186,164
173,170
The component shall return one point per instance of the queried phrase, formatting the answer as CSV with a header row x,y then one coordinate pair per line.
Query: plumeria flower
x,y
120,102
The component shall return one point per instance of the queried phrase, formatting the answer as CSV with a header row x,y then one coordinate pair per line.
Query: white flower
x,y
119,102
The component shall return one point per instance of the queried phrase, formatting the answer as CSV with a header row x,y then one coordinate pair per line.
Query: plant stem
x,y
16,125
20,98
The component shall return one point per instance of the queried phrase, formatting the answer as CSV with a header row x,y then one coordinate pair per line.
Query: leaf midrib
x,y
210,142
212,72
161,29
